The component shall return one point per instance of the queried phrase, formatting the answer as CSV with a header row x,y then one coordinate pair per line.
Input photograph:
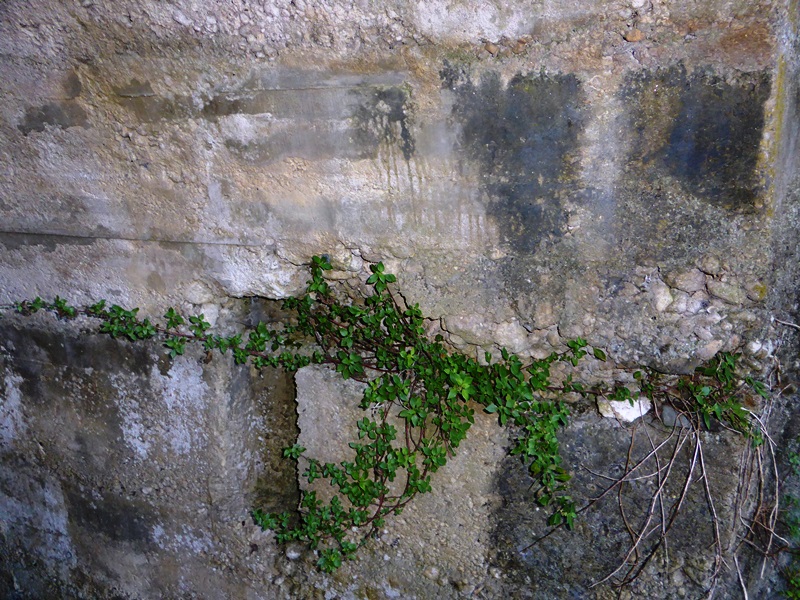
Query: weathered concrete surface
x,y
624,171
127,476
222,146
441,545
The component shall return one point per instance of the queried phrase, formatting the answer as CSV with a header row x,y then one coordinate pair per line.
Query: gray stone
x,y
729,292
473,329
671,418
690,281
710,265
709,350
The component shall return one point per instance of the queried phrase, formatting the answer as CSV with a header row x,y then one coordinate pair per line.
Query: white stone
x,y
198,292
431,572
680,303
210,312
181,18
512,336
12,417
661,296
753,347
624,411
473,329
544,316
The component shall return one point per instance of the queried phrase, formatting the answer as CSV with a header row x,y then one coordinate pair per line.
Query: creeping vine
x,y
419,399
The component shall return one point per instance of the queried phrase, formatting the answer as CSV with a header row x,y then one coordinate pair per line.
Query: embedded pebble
x,y
671,418
634,35
688,281
661,295
710,265
710,350
753,347
624,411
181,18
728,292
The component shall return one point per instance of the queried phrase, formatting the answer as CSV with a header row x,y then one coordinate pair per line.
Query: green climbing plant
x,y
419,400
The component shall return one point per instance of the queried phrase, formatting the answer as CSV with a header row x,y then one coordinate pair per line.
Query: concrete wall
x,y
622,171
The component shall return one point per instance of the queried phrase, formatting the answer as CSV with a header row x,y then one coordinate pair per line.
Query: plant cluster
x,y
419,400
714,393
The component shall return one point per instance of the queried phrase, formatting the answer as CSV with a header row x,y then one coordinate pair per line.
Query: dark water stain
x,y
57,114
152,109
523,138
564,564
135,89
701,129
331,117
111,516
310,140
39,351
45,243
276,488
72,86
383,117
567,563
354,123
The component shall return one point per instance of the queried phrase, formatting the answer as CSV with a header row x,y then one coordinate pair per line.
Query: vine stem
x,y
382,336
787,323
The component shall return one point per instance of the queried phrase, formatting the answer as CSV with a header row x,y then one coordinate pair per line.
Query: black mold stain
x,y
111,516
384,118
311,141
135,89
45,243
152,109
44,358
59,114
72,86
523,137
374,118
701,129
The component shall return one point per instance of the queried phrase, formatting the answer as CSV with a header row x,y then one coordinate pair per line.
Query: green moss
x,y
760,291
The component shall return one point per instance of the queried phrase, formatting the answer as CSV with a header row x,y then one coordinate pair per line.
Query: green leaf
x,y
599,354
293,451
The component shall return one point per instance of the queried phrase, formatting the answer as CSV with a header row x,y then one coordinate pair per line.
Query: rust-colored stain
x,y
755,40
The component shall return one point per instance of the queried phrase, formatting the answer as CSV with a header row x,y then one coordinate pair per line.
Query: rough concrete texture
x,y
127,476
441,545
532,171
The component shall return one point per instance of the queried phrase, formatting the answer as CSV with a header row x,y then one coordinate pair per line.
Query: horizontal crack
x,y
38,234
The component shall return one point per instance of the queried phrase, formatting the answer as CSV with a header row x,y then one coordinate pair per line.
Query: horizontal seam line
x,y
129,239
